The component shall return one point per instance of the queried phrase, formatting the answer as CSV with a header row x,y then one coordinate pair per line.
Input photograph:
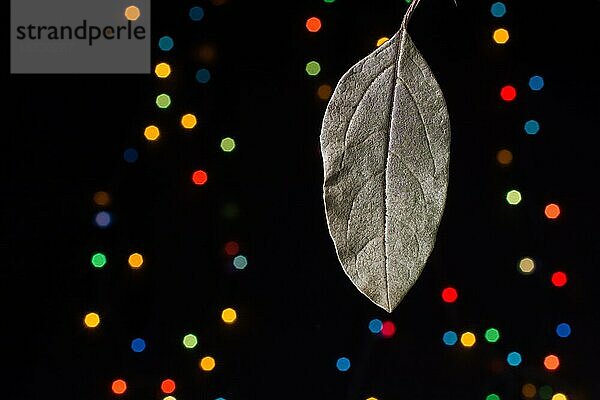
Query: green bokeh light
x,y
313,68
190,341
227,144
163,100
545,392
492,396
98,260
492,335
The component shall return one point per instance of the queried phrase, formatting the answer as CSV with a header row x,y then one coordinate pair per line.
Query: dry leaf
x,y
385,142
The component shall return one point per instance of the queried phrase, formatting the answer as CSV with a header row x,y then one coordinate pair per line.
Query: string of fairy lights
x,y
526,266
384,329
103,200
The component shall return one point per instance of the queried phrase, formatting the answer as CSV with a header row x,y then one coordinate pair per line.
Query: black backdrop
x,y
298,313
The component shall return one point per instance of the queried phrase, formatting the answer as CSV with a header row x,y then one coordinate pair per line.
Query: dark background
x,y
64,140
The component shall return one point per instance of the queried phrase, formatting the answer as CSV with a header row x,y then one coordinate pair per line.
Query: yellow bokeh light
x,y
501,36
207,363
372,398
526,265
188,121
162,70
169,398
382,40
468,339
135,260
132,13
229,315
559,396
91,320
151,133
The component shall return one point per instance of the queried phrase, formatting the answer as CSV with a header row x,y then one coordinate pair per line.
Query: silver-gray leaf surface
x,y
385,142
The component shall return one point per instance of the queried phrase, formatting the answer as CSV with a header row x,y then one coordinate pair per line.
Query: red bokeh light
x,y
449,295
199,177
388,329
167,386
232,248
508,93
313,24
559,279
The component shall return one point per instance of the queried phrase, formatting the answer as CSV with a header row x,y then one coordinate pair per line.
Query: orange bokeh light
x,y
551,362
552,211
313,24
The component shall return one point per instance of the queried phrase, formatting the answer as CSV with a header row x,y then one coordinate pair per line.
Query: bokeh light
x,y
166,43
229,315
138,345
559,279
342,364
382,40
563,330
449,295
99,260
102,219
135,260
167,386
513,197
163,100
545,392
498,9
91,320
202,75
468,339
132,13
313,68
508,93
130,155
188,121
559,396
450,338
531,127
232,248
196,13
492,335
375,325
313,24
388,329
199,177
551,362
492,396
162,70
101,198
526,265
240,262
329,1
227,144
207,363
324,91
501,36
536,83
528,391
190,341
119,386
552,211
504,157
151,133
514,359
